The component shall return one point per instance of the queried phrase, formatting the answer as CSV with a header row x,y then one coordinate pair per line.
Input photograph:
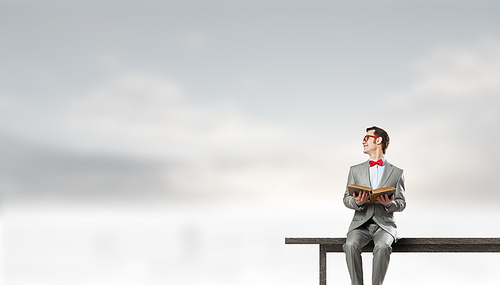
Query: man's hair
x,y
381,133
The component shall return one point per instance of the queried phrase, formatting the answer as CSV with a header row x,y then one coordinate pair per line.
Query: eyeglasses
x,y
369,136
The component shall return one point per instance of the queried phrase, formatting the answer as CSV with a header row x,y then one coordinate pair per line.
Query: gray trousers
x,y
355,241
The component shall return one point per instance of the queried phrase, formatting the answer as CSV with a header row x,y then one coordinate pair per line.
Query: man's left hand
x,y
385,200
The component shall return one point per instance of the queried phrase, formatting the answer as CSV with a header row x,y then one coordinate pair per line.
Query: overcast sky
x,y
200,102
225,87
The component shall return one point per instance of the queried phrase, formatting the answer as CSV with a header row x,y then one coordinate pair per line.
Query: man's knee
x,y
382,248
350,246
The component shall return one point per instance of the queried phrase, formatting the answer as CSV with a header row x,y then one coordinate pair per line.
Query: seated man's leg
x,y
381,255
355,241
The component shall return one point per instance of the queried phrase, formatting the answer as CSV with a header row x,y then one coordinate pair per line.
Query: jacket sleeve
x,y
349,201
399,203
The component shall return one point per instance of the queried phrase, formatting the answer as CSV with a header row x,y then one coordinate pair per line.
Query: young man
x,y
373,221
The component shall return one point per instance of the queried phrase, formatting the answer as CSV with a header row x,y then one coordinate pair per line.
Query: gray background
x,y
179,142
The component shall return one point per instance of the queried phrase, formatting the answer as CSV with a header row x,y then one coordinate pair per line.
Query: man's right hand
x,y
362,198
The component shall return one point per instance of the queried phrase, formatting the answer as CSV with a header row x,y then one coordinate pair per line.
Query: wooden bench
x,y
402,245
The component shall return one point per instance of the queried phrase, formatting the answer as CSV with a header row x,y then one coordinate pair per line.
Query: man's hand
x,y
384,199
361,198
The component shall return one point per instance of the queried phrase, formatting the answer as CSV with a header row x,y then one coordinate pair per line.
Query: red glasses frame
x,y
369,136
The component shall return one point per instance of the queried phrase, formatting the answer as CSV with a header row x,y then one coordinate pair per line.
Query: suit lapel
x,y
365,173
387,173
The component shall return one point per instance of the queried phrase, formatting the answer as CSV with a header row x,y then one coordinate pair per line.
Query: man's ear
x,y
378,141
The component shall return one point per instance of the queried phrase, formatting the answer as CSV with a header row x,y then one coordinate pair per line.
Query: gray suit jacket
x,y
360,175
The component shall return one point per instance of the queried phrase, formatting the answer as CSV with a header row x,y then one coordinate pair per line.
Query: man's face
x,y
369,144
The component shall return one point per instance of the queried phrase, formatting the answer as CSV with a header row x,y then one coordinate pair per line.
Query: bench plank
x,y
413,244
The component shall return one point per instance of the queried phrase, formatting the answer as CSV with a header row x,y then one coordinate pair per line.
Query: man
x,y
373,221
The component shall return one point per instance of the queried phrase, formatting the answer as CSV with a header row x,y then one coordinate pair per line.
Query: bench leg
x,y
322,264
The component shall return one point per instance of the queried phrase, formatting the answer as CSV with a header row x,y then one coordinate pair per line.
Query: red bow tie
x,y
379,162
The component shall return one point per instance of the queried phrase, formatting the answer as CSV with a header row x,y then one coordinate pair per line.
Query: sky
x,y
142,139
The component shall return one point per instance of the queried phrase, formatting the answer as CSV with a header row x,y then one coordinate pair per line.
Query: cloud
x,y
217,149
147,114
32,171
258,176
139,135
460,72
454,73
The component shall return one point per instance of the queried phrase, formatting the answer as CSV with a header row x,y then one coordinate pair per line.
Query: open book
x,y
373,193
